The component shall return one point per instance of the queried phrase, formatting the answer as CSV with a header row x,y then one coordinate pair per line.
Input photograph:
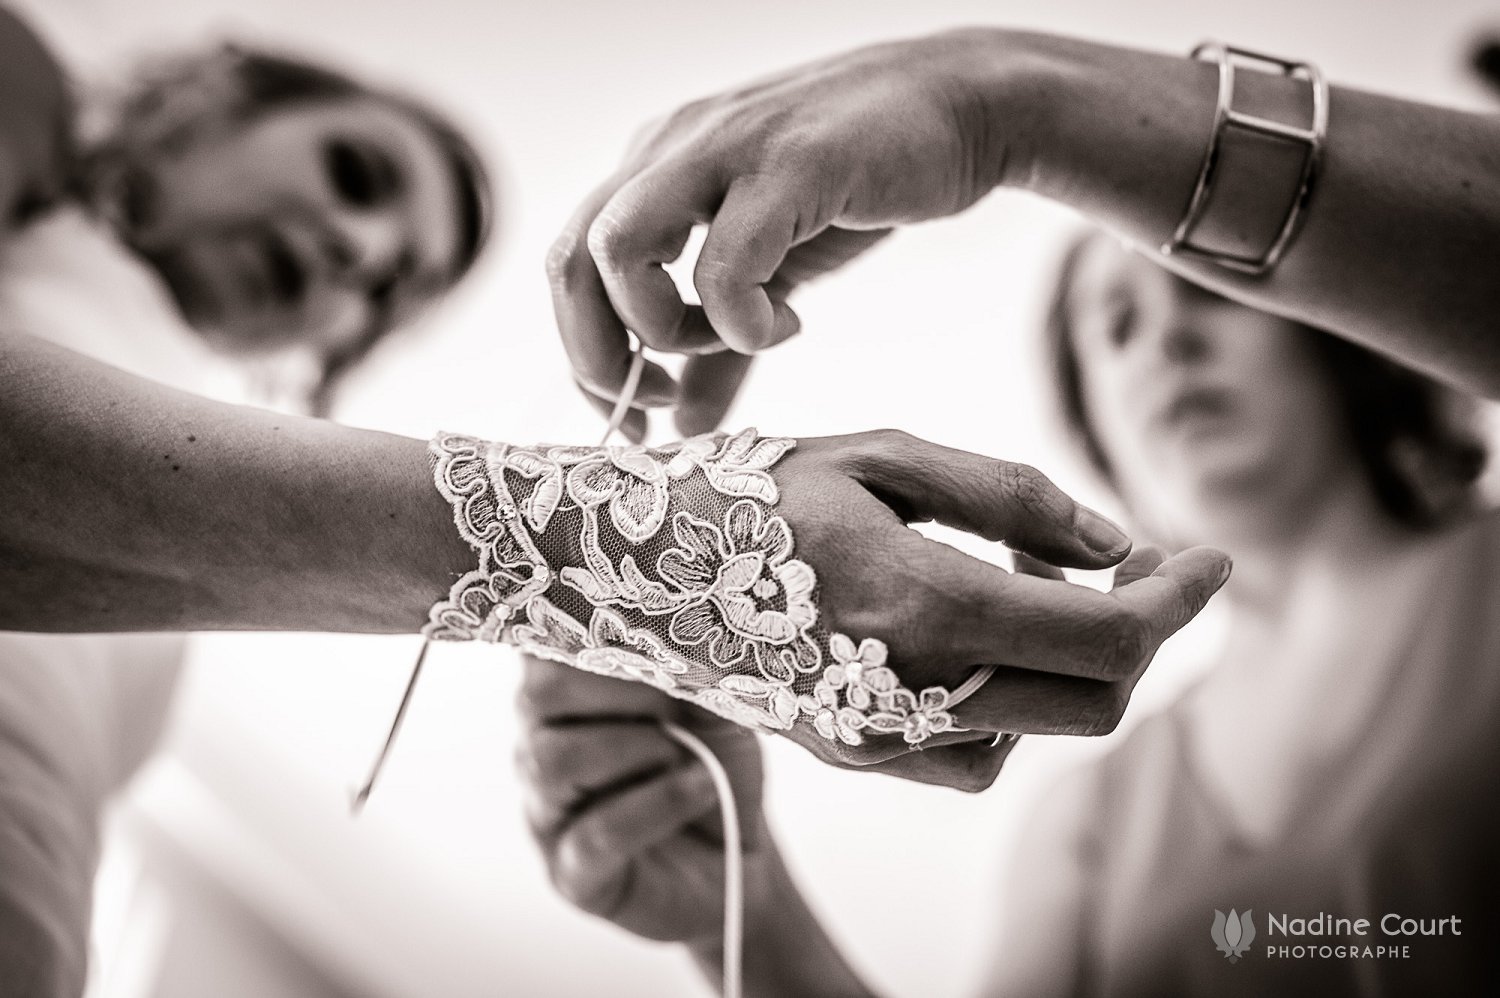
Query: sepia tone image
x,y
822,499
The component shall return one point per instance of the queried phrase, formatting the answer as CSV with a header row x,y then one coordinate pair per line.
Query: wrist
x,y
1116,133
1034,110
1120,134
985,75
770,893
1009,89
786,950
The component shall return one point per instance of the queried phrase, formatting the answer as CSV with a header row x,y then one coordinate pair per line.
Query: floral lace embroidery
x,y
672,569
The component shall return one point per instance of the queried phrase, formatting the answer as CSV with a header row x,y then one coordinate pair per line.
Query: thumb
x,y
997,500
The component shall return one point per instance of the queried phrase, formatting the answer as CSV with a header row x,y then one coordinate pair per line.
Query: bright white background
x,y
437,890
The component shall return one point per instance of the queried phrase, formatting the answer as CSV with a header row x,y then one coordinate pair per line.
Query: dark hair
x,y
249,82
1414,437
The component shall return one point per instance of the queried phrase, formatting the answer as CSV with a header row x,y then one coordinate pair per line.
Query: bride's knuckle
x,y
1024,485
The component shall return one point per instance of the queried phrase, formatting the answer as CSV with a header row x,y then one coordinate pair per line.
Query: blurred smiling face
x,y
302,224
1213,416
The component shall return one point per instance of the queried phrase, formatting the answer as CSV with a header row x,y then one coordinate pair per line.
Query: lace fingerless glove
x,y
667,566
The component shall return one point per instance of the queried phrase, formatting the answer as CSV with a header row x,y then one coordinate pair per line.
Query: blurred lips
x,y
256,268
1194,406
227,274
242,286
284,274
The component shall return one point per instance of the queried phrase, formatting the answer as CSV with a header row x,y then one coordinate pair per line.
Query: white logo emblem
x,y
1233,933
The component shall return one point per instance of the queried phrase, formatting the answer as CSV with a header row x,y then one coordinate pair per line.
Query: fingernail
x,y
1225,570
1100,534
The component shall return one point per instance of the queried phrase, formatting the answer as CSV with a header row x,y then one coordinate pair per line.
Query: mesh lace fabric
x,y
667,566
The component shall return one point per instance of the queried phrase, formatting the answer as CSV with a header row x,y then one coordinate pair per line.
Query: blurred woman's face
x,y
1214,416
300,225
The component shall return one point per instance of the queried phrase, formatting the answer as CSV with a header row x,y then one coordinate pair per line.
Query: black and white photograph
x,y
665,499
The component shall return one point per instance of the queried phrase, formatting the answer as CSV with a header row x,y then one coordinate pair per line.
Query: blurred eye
x,y
360,174
1122,325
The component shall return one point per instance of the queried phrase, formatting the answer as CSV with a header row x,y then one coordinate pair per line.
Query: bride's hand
x,y
851,638
1069,655
627,819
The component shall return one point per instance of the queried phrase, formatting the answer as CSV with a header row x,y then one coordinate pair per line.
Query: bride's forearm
x,y
129,506
787,954
1401,235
